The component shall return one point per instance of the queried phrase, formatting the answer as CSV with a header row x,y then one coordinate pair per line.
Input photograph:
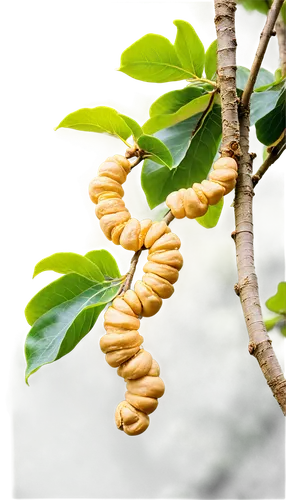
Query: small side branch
x,y
267,32
273,156
129,277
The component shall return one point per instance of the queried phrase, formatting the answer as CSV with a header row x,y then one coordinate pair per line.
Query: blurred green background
x,y
218,433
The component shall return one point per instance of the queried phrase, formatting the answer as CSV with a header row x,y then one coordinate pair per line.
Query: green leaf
x,y
278,74
211,218
264,153
211,61
60,329
153,59
283,328
270,127
158,181
156,149
261,103
171,100
68,262
261,6
100,119
272,322
133,125
189,48
105,261
198,105
277,303
57,292
264,77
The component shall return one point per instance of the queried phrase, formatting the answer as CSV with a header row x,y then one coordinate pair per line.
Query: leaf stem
x,y
204,80
262,46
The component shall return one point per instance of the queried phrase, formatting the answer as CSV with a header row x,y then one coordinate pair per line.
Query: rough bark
x,y
281,35
226,56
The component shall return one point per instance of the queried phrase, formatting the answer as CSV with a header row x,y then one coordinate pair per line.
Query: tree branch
x,y
260,343
274,154
226,56
281,36
264,39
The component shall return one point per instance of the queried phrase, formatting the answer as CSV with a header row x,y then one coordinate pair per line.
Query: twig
x,y
129,277
226,57
274,154
260,343
264,39
281,36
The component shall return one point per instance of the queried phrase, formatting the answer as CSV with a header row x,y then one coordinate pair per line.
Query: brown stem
x,y
281,36
129,277
259,342
226,57
274,154
262,46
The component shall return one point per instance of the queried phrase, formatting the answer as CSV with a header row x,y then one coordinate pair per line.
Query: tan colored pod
x,y
116,233
116,358
115,341
133,301
147,405
169,273
213,191
200,194
193,205
168,241
126,164
225,162
154,370
175,201
145,225
108,222
118,319
130,420
148,386
155,232
101,184
107,195
224,177
113,170
161,286
136,367
171,258
129,238
120,304
151,302
109,206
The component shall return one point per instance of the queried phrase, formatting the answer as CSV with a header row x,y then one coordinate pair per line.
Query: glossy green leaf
x,y
278,74
264,77
105,261
264,153
158,181
272,322
261,6
198,105
100,119
156,149
57,292
171,100
189,48
277,303
270,127
60,329
68,262
261,103
211,218
153,59
211,61
133,125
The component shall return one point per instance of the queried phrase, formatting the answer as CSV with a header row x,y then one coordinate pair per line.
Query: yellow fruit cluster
x,y
194,202
122,341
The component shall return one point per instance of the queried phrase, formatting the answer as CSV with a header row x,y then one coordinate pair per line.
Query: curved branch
x,y
274,154
264,39
247,287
